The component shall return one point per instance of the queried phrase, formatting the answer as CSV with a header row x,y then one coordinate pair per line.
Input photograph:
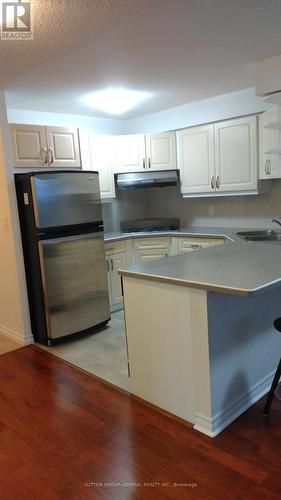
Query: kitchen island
x,y
199,330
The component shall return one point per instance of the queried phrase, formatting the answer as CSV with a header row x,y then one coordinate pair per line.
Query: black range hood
x,y
158,178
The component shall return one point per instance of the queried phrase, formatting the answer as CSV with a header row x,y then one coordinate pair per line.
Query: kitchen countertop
x,y
184,231
238,268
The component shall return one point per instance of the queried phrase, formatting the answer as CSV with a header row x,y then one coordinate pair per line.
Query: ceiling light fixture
x,y
115,101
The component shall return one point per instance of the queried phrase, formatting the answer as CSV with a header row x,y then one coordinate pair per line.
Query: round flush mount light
x,y
115,101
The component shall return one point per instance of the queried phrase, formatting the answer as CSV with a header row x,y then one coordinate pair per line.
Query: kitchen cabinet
x,y
102,159
145,152
147,249
97,154
188,244
270,144
236,154
161,151
196,159
219,158
38,146
116,259
140,250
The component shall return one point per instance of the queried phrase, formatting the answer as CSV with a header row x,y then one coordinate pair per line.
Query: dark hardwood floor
x,y
62,430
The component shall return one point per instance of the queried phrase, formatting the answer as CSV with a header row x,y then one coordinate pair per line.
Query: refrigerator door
x,y
62,199
74,282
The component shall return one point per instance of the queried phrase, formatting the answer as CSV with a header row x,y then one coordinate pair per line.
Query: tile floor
x,y
7,345
102,353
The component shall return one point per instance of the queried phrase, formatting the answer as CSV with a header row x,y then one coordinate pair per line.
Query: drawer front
x,y
115,247
151,243
189,244
143,256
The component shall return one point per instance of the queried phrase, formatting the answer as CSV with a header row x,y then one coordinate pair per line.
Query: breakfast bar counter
x,y
199,330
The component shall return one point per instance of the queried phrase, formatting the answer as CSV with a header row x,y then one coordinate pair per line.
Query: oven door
x,y
74,280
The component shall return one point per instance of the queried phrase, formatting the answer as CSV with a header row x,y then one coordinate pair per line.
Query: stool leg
x,y
272,389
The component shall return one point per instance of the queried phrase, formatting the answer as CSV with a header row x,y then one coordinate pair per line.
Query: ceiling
x,y
179,51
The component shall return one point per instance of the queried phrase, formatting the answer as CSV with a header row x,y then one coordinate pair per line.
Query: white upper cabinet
x,y
37,146
129,153
196,159
29,146
270,143
145,152
102,160
219,158
97,154
236,154
161,151
63,147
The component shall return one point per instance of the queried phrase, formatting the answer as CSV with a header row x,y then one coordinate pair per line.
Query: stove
x,y
144,225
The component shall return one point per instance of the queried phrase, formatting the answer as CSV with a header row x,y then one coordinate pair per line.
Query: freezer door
x,y
74,282
65,198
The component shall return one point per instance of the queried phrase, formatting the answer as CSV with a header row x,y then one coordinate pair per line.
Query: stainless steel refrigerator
x,y
62,236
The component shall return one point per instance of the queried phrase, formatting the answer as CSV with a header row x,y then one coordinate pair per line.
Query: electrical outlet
x,y
211,211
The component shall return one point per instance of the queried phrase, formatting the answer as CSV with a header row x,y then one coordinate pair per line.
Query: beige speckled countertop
x,y
238,267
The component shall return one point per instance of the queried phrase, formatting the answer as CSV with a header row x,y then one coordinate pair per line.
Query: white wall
x,y
230,211
222,107
129,205
92,124
14,315
216,108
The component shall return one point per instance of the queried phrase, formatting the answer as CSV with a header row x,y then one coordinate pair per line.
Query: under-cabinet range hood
x,y
136,180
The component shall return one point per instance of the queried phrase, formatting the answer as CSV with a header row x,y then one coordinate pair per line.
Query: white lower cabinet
x,y
146,249
120,254
187,244
143,256
117,257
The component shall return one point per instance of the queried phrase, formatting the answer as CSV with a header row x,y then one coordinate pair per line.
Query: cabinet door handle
x,y
266,167
213,182
143,163
217,181
52,155
45,159
269,167
107,266
149,163
112,266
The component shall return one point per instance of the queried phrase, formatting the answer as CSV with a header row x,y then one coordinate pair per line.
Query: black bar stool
x,y
275,383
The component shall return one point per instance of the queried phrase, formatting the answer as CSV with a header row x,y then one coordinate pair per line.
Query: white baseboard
x,y
12,335
213,426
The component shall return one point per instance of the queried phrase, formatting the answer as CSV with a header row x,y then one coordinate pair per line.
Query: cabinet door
x,y
236,154
63,147
161,151
269,147
29,146
196,159
149,243
109,280
142,256
116,261
102,160
130,153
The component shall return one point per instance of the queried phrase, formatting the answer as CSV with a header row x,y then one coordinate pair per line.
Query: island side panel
x,y
159,331
244,351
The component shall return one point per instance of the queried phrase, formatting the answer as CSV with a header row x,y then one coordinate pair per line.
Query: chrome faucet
x,y
277,221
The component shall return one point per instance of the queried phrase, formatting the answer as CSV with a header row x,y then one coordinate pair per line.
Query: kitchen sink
x,y
262,235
